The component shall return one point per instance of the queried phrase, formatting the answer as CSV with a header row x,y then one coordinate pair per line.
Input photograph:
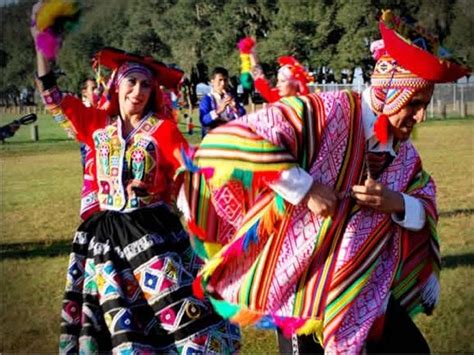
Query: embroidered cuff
x,y
293,185
52,98
415,216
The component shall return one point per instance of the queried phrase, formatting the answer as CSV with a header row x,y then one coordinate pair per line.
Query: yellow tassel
x,y
210,266
270,219
212,248
245,63
53,9
312,326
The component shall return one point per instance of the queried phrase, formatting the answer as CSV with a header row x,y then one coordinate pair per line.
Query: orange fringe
x,y
246,317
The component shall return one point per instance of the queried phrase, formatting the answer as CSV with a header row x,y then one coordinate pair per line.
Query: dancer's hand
x,y
321,200
257,72
33,29
377,196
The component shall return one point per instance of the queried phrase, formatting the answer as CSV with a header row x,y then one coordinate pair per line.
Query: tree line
x,y
196,35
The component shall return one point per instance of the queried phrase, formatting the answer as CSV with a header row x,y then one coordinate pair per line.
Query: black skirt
x,y
128,288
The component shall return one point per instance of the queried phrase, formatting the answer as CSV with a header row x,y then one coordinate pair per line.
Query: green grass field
x,y
40,185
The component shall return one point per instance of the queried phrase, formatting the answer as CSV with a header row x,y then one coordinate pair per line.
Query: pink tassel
x,y
207,172
234,249
246,44
48,44
289,326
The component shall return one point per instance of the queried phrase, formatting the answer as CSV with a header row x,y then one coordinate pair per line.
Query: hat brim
x,y
418,61
112,58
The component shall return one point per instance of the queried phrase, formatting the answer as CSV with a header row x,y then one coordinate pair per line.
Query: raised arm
x,y
69,111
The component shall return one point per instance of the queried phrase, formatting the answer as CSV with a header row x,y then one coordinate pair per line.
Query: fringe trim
x,y
430,292
288,325
312,326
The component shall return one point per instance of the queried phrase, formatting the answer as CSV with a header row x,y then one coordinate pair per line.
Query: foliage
x,y
197,35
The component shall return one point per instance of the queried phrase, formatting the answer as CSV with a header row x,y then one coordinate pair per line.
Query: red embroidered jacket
x,y
133,171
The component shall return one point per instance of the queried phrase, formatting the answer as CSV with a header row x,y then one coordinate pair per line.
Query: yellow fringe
x,y
212,248
312,326
270,219
210,266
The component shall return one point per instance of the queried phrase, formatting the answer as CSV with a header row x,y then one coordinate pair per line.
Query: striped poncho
x,y
272,264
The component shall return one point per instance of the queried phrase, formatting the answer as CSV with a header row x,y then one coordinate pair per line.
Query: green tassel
x,y
225,309
399,271
245,176
198,247
247,81
416,310
280,204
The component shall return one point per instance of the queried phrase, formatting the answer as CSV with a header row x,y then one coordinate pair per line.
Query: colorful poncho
x,y
272,264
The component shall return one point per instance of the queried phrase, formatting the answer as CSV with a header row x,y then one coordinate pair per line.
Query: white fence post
x,y
463,106
431,113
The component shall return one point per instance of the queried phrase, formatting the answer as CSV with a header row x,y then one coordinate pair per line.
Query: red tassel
x,y
381,128
246,45
197,231
198,291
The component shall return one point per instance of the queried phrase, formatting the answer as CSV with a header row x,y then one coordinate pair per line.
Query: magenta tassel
x,y
234,249
207,172
48,44
289,326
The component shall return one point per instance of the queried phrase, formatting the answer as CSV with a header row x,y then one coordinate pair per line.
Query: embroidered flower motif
x,y
72,310
168,316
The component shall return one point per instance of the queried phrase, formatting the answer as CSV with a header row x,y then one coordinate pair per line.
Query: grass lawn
x,y
40,185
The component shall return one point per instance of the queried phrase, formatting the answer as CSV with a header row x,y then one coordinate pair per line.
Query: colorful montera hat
x,y
293,70
115,60
418,51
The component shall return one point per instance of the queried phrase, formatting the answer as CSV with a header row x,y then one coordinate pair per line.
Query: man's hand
x,y
321,200
376,163
223,105
375,195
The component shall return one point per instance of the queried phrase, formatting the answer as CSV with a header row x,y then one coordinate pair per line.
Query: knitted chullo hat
x,y
392,86
408,59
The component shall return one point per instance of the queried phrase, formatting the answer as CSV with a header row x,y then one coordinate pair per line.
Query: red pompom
x,y
288,60
381,128
198,291
246,44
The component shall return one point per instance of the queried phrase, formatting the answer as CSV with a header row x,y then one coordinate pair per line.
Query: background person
x,y
219,106
292,80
